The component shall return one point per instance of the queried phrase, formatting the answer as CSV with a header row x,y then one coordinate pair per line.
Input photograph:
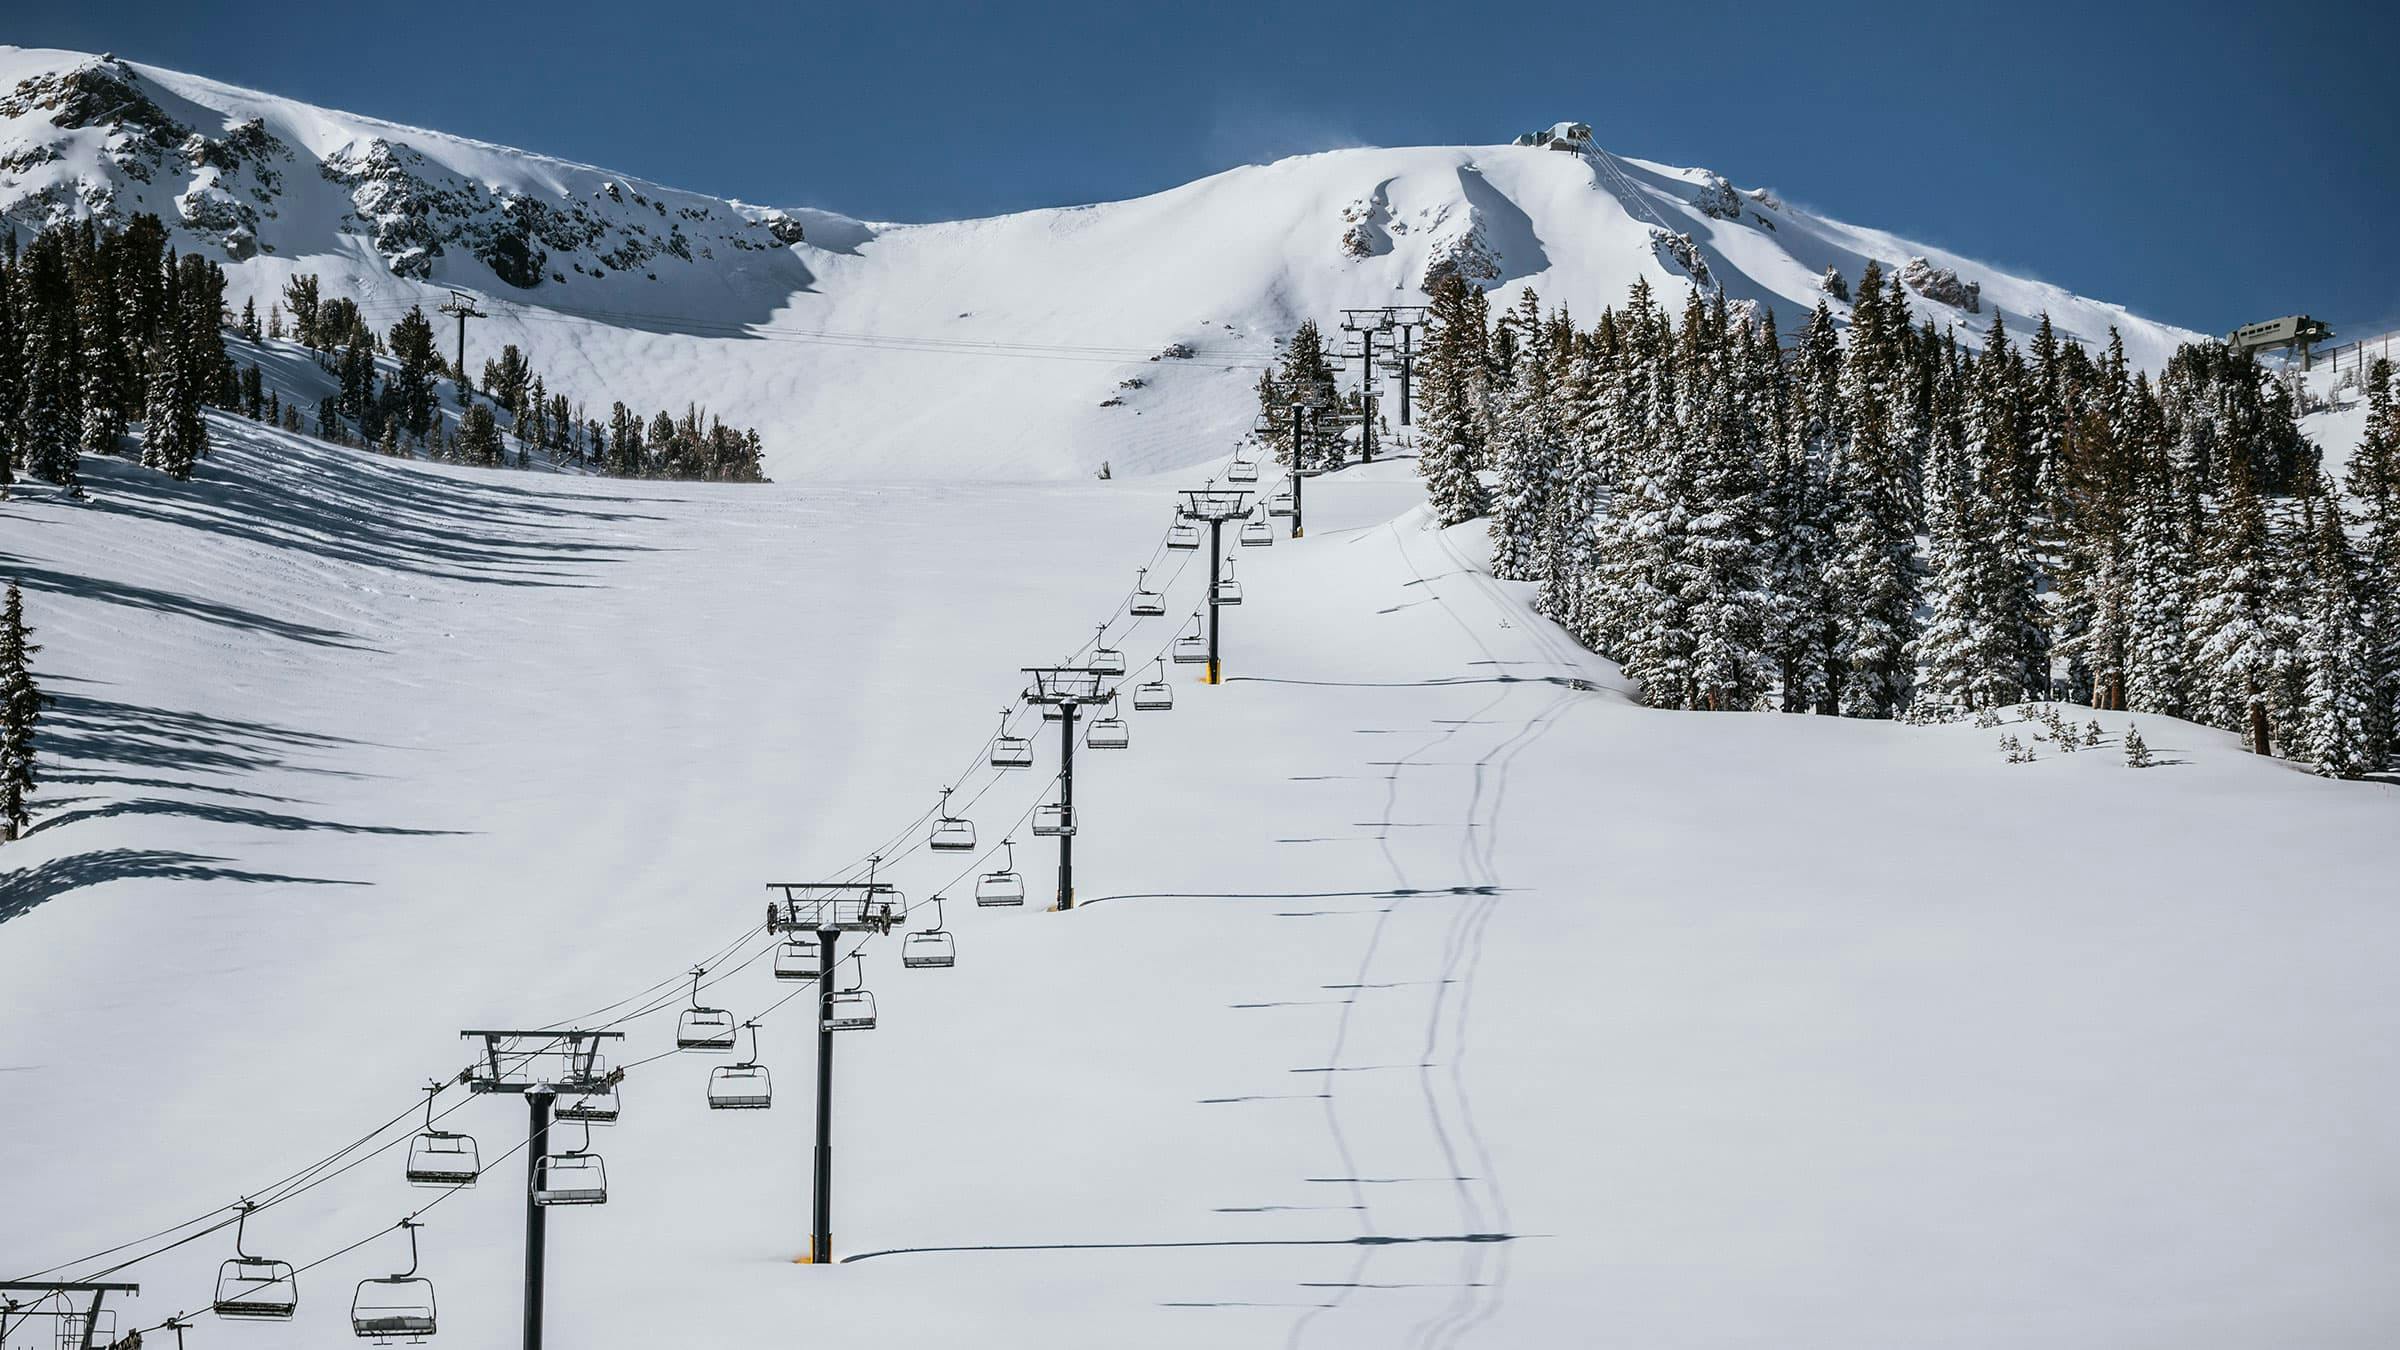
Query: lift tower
x,y
1070,689
1216,506
539,1066
829,909
1365,325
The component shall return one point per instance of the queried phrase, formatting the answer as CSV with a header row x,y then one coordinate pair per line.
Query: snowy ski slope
x,y
981,348
1418,994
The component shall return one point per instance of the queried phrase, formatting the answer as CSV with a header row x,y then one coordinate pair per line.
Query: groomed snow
x,y
1418,995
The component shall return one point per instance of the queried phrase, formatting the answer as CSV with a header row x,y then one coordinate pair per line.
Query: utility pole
x,y
82,1325
1216,506
539,1066
829,909
1069,689
462,305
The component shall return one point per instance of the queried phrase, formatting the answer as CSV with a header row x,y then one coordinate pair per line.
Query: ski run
x,y
1425,983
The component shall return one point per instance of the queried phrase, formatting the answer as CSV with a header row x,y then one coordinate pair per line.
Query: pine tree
x,y
2338,711
1528,453
250,331
1725,556
1874,576
2231,620
1457,415
1799,625
20,713
2374,484
479,436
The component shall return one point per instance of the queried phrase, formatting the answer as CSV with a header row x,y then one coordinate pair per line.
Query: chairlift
x,y
1154,695
574,1177
1191,649
1110,732
1243,471
929,948
1257,533
850,1009
1052,819
440,1157
703,1028
995,890
1106,660
1280,504
1229,591
950,833
1183,536
255,1288
390,1308
1011,752
746,1086
597,1106
1147,604
796,959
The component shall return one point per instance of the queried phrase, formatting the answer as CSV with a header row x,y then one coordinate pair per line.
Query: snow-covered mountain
x,y
1043,329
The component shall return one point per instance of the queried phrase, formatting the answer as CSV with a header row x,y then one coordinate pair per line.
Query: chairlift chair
x,y
255,1288
1154,695
599,1106
1110,732
1183,536
929,948
1257,533
703,1028
1005,887
575,1177
1106,660
1229,591
1243,471
1052,819
850,1009
440,1157
1011,752
746,1086
397,1307
1280,504
1147,603
1191,649
951,834
795,959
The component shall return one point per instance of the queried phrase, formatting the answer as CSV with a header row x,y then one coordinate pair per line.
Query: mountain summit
x,y
1051,332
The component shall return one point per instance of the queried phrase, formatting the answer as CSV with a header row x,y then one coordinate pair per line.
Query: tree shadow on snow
x,y
222,814
21,889
43,579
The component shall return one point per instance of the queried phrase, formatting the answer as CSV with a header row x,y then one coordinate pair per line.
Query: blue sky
x,y
2206,164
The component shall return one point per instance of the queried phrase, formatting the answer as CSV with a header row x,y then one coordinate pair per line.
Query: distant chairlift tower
x,y
1216,506
1068,689
829,909
462,306
1366,325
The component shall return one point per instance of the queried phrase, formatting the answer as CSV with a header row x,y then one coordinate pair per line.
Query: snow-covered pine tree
x,y
1725,557
1799,625
1528,457
20,714
2338,705
2231,619
2162,544
1873,579
1457,413
2374,484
